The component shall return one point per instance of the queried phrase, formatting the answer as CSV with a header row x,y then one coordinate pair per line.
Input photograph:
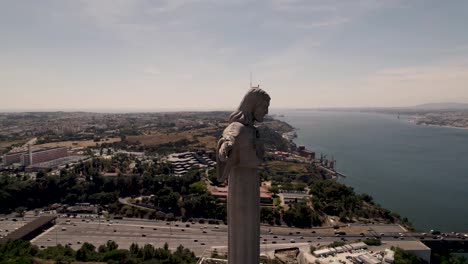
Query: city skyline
x,y
137,55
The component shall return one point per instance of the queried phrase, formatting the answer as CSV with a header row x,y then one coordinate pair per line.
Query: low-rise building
x,y
222,194
35,156
291,196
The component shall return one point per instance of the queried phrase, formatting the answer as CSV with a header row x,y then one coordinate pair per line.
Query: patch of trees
x,y
173,197
51,136
181,145
446,257
18,251
273,139
333,198
301,215
403,257
372,242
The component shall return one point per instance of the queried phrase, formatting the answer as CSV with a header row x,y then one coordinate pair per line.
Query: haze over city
x,y
131,55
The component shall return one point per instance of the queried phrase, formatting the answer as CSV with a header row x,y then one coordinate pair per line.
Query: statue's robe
x,y
243,192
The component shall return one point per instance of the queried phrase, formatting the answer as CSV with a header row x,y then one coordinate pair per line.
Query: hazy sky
x,y
118,54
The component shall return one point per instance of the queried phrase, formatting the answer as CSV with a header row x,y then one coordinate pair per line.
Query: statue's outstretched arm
x,y
225,145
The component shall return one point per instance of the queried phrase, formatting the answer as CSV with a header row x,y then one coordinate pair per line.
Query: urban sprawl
x,y
128,180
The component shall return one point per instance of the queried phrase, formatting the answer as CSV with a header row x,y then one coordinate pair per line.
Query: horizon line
x,y
214,109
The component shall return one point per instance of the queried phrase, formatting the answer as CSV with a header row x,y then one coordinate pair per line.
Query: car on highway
x,y
292,241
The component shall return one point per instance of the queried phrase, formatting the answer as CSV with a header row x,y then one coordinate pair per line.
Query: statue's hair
x,y
244,113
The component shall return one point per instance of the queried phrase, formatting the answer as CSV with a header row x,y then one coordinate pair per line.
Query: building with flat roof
x,y
54,164
31,229
222,194
288,197
368,259
416,248
30,157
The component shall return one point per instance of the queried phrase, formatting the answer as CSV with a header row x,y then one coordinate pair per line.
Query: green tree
x,y
198,188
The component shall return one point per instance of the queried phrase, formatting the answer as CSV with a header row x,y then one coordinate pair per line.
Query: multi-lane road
x,y
202,237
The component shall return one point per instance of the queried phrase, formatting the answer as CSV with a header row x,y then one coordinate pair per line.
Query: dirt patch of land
x,y
284,166
157,138
6,144
76,144
202,135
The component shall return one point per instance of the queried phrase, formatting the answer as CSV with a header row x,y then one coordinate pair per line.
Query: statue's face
x,y
261,110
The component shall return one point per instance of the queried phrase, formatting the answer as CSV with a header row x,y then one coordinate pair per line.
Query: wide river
x,y
421,172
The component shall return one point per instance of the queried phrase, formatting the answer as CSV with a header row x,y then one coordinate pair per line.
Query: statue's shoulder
x,y
234,129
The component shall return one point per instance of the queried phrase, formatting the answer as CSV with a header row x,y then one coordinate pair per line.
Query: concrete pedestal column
x,y
243,216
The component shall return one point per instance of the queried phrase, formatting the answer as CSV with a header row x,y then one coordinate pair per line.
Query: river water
x,y
421,172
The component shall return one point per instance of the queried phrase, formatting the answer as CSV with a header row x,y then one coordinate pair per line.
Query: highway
x,y
202,237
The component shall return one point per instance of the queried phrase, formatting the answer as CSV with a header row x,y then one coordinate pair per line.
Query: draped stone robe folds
x,y
243,192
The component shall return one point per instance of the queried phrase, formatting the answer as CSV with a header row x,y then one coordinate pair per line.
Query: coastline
x,y
413,121
401,220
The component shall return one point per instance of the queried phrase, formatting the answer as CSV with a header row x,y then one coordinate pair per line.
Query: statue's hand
x,y
224,151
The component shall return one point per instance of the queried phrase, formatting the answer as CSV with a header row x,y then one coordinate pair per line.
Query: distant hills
x,y
442,106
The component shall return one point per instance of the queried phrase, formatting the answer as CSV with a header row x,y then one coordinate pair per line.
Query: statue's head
x,y
253,107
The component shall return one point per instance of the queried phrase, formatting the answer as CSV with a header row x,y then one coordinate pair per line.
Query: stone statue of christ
x,y
239,153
